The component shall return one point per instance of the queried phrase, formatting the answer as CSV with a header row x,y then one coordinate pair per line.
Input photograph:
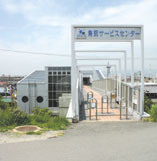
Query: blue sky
x,y
44,25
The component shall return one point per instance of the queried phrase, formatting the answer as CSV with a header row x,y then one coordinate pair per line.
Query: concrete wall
x,y
32,91
105,84
64,102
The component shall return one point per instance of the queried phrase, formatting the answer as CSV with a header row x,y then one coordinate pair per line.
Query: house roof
x,y
150,89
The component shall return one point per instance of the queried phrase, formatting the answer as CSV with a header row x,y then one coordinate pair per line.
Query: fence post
x,y
126,102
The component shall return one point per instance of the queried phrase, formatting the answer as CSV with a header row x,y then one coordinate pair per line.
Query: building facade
x,y
43,88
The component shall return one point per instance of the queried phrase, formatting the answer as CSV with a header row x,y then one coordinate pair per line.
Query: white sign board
x,y
104,100
93,105
107,33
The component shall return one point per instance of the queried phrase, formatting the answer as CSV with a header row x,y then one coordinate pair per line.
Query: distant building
x,y
43,88
151,91
6,80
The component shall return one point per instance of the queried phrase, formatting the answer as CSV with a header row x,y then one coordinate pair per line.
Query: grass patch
x,y
44,118
6,128
153,113
34,133
54,123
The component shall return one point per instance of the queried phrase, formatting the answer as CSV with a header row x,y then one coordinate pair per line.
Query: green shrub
x,y
6,128
3,105
20,117
13,116
57,123
147,104
153,113
6,117
41,115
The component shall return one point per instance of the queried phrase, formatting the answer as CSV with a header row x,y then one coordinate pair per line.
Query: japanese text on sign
x,y
108,33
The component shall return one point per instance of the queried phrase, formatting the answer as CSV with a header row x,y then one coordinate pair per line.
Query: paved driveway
x,y
90,141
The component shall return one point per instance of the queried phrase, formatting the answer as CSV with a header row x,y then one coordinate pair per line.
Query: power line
x,y
55,54
35,53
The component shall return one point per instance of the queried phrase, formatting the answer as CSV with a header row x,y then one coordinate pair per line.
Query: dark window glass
x,y
54,79
64,79
59,94
59,79
54,73
54,87
50,103
68,88
54,95
50,95
64,73
49,79
68,73
50,87
50,73
24,99
68,79
63,87
59,87
54,103
59,73
40,99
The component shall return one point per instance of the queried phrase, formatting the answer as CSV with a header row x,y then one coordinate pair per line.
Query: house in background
x,y
151,91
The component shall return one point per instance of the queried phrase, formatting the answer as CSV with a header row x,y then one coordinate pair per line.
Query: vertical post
x,y
90,112
107,104
120,81
120,110
106,84
77,93
111,100
126,102
142,73
120,107
102,100
132,70
73,73
117,87
125,67
96,109
132,63
128,96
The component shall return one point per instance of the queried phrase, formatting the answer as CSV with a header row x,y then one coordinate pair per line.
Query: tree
x,y
147,104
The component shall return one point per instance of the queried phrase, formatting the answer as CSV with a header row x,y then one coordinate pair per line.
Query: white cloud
x,y
21,6
143,12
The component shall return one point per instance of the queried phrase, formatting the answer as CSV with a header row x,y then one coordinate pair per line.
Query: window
x,y
50,79
24,99
40,99
50,73
54,79
59,83
50,87
50,95
50,103
54,73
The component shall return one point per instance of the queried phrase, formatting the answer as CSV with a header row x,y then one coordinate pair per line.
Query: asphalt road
x,y
94,141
